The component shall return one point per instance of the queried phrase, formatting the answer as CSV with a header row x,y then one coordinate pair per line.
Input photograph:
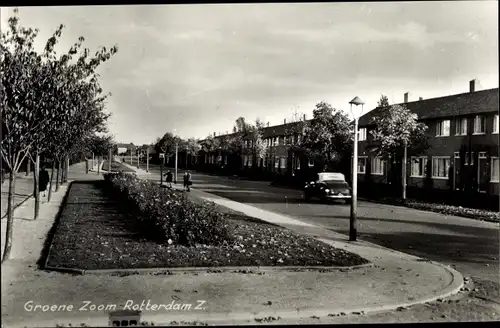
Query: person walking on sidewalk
x,y
44,180
169,179
187,181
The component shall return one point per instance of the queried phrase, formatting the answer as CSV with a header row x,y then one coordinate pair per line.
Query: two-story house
x,y
463,145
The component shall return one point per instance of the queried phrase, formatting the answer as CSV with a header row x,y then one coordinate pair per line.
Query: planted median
x,y
126,223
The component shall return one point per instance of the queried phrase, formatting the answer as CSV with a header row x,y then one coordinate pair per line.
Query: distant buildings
x,y
463,154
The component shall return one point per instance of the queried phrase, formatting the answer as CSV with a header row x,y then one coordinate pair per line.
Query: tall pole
x,y
405,155
138,153
92,160
147,160
161,168
354,196
176,153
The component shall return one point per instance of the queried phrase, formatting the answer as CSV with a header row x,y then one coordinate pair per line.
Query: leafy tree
x,y
398,129
383,101
48,104
328,136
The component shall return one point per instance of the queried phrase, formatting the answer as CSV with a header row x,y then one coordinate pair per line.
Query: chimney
x,y
284,121
215,134
420,98
267,124
406,97
304,117
472,85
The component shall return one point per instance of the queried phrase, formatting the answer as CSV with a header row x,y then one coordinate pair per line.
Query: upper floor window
x,y
479,124
443,128
276,141
461,126
299,138
362,134
495,124
285,140
311,162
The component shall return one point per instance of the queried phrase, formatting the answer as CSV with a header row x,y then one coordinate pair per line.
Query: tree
x,y
328,136
45,101
383,101
398,129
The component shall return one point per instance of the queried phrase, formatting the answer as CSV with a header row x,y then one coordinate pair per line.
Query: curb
x,y
227,269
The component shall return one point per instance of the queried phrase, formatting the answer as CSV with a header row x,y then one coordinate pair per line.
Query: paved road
x,y
471,246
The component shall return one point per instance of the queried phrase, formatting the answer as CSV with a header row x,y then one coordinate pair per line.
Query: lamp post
x,y
176,153
354,197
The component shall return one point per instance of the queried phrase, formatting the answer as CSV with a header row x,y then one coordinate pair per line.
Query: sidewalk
x,y
226,297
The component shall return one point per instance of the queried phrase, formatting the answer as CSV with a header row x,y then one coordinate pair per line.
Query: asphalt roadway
x,y
470,246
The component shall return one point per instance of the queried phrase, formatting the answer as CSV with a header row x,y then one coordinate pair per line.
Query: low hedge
x,y
169,217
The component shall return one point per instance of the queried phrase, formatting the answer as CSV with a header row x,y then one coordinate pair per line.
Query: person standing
x,y
44,180
187,181
169,179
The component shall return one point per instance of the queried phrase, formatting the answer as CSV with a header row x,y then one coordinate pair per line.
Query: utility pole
x,y
405,156
176,153
147,159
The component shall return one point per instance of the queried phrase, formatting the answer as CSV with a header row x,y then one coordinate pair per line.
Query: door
x,y
483,172
457,165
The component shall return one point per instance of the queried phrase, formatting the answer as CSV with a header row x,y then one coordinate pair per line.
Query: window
x,y
276,162
276,141
250,160
469,160
495,124
311,162
298,163
264,162
479,124
225,160
440,167
461,126
494,169
443,128
299,139
362,134
362,165
258,161
377,166
283,162
418,166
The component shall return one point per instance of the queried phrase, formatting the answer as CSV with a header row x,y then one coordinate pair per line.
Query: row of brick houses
x,y
462,155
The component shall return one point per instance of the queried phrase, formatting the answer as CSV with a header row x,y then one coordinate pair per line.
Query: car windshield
x,y
336,184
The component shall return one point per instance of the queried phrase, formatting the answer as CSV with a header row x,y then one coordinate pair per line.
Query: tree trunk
x,y
10,216
98,166
51,180
67,169
28,167
37,185
58,175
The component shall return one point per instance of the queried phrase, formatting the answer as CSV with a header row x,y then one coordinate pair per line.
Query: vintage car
x,y
328,186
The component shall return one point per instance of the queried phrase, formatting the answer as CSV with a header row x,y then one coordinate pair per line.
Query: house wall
x,y
462,172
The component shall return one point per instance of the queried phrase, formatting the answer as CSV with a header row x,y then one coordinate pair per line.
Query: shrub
x,y
167,215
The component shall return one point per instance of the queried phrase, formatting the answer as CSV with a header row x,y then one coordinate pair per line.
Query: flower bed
x,y
169,217
455,210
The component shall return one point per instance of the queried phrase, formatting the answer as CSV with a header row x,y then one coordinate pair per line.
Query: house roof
x,y
484,101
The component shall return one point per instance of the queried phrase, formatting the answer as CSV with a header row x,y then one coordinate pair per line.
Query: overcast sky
x,y
197,68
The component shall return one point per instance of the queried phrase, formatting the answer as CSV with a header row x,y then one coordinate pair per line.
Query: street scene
x,y
250,165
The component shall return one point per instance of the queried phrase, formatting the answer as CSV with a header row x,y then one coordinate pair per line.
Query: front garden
x,y
123,222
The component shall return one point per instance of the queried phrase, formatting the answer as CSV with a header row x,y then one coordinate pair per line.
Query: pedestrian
x,y
169,179
187,181
44,180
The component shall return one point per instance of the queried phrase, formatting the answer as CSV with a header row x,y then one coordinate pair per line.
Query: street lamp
x,y
176,153
354,197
